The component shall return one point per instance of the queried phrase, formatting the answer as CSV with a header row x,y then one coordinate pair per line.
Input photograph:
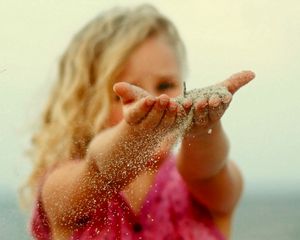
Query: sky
x,y
221,36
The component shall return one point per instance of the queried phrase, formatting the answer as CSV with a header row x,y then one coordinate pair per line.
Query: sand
x,y
185,122
132,156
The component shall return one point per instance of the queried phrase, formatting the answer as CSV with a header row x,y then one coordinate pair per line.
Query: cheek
x,y
175,92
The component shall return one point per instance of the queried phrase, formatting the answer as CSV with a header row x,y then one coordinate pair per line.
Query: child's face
x,y
154,67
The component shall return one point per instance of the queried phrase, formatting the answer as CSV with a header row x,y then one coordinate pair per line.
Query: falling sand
x,y
142,152
137,153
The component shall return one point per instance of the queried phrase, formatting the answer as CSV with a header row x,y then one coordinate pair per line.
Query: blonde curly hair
x,y
80,100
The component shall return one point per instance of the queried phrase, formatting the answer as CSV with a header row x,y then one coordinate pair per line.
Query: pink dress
x,y
168,213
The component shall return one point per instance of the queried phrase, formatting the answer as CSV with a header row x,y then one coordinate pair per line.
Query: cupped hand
x,y
144,111
210,103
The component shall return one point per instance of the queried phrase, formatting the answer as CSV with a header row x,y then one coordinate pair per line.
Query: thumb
x,y
128,92
237,80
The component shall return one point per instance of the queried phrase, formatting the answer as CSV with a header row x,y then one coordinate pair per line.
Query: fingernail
x,y
162,102
172,107
187,104
150,101
214,102
201,105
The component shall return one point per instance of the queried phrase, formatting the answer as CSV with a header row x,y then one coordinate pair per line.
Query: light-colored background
x,y
222,37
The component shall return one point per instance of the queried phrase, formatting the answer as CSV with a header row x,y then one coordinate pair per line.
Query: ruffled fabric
x,y
169,212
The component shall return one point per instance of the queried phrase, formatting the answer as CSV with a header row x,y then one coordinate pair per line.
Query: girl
x,y
103,162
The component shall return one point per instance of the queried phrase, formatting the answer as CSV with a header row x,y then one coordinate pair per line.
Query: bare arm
x,y
203,158
114,158
212,178
72,191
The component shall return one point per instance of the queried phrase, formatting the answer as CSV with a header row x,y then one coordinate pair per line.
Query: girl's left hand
x,y
211,103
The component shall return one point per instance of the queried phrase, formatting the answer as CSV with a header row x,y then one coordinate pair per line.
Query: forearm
x,y
114,158
202,153
121,153
203,162
68,195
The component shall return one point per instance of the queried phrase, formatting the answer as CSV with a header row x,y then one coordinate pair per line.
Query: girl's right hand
x,y
144,111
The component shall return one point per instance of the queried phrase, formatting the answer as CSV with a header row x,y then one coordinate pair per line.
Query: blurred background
x,y
222,37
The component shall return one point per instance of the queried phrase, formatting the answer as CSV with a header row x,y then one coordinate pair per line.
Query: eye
x,y
164,86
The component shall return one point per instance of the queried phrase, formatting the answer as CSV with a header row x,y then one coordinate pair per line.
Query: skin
x,y
144,106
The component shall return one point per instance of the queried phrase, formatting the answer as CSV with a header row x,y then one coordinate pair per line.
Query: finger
x,y
139,111
223,94
154,117
187,104
180,112
169,118
128,92
238,80
201,103
218,103
215,113
214,100
226,98
201,114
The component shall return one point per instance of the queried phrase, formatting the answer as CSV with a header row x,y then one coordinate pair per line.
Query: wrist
x,y
203,131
